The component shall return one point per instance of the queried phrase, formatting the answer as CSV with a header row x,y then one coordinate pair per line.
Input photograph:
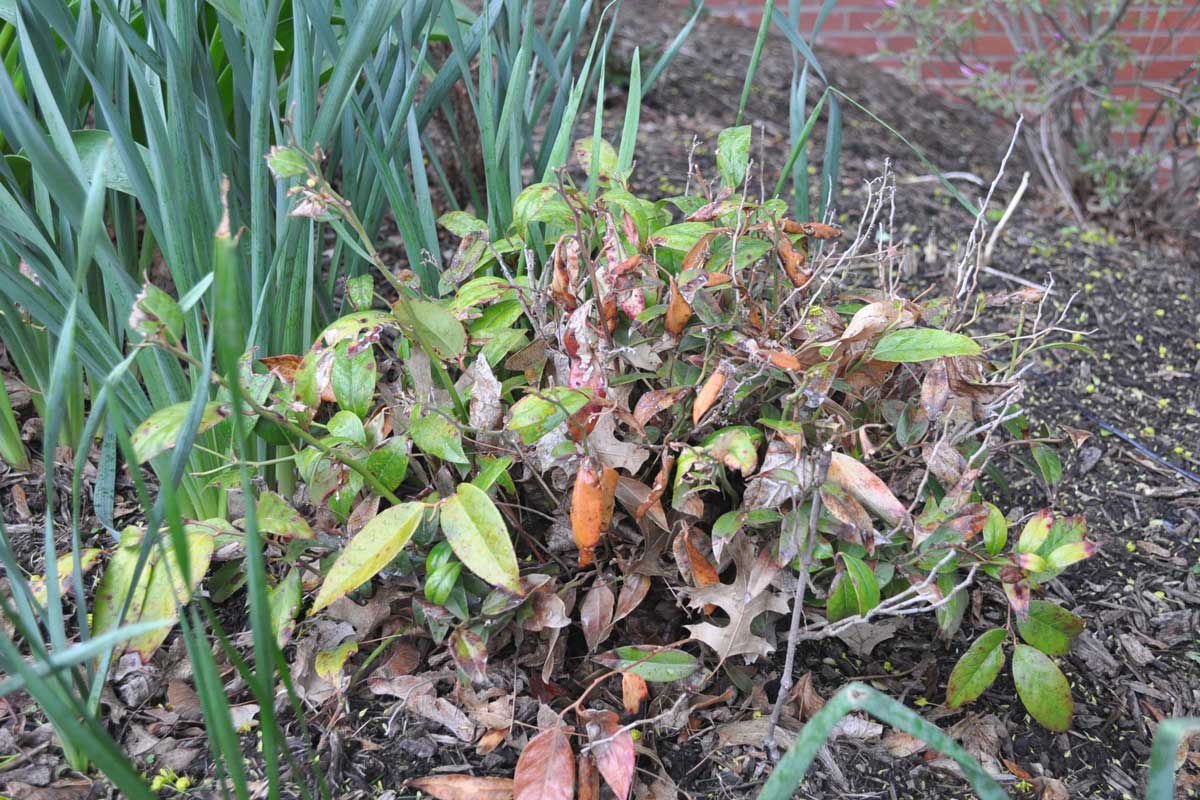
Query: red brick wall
x,y
1168,43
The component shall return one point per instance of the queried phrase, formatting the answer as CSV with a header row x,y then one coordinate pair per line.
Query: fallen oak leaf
x,y
739,604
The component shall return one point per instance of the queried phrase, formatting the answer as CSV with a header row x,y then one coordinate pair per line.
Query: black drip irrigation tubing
x,y
1120,434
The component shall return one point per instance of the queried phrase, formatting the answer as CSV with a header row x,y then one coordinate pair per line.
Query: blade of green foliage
x,y
476,531
371,549
790,771
977,669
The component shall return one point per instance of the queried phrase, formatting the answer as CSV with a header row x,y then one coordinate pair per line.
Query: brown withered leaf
x,y
967,378
901,745
633,494
283,367
847,510
633,592
463,787
546,767
935,390
874,318
611,451
804,697
709,393
596,614
659,487
588,778
793,259
739,604
652,403
945,462
613,749
866,487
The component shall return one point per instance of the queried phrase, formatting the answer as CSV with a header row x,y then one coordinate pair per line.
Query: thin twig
x,y
785,683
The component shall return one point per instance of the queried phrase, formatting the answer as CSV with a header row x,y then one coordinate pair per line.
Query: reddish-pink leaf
x,y
867,488
613,750
546,768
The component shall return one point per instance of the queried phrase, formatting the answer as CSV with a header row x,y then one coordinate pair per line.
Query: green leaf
x,y
606,157
1049,627
736,447
432,325
1064,556
494,469
169,588
949,616
389,462
534,416
155,311
286,162
923,344
440,437
661,667
477,533
159,432
995,530
360,291
1049,464
371,549
682,236
462,224
284,601
275,515
347,426
977,669
733,155
353,379
866,587
1043,688
540,202
1034,534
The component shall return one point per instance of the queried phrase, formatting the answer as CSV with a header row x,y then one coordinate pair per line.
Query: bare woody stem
x,y
810,538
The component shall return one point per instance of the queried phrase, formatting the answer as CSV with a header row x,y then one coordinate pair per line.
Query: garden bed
x,y
1138,661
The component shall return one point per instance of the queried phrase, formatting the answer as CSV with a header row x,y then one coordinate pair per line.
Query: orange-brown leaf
x,y
655,401
464,787
866,487
608,495
283,367
679,311
634,692
659,487
793,259
587,511
814,230
782,359
698,255
703,572
708,394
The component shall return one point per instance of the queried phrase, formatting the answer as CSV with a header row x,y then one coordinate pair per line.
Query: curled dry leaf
x,y
463,787
634,692
588,778
633,592
591,507
546,768
634,495
679,311
613,750
650,404
813,230
793,259
708,393
866,487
